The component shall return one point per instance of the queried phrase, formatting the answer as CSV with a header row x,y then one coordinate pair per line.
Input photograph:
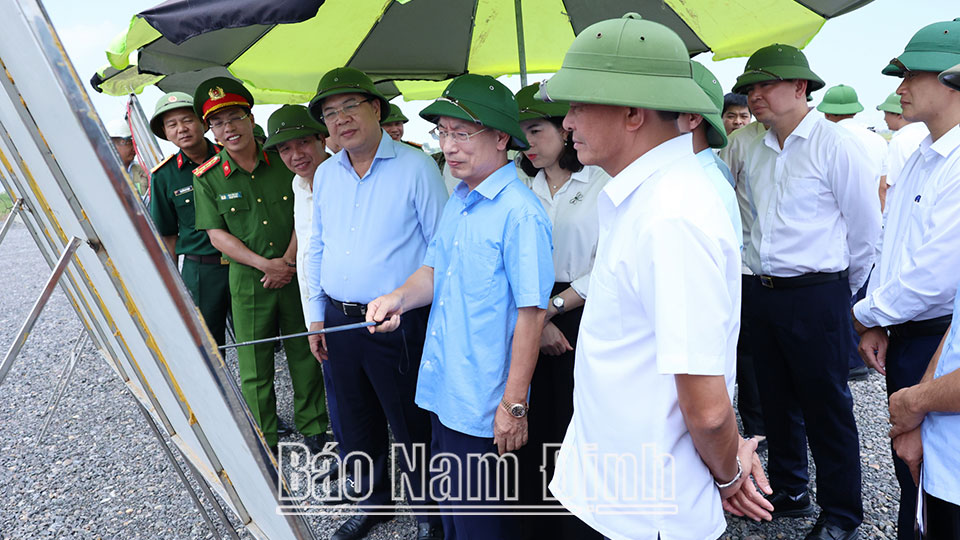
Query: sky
x,y
851,50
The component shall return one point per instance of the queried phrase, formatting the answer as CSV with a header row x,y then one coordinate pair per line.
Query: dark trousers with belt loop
x,y
909,351
942,519
371,382
800,337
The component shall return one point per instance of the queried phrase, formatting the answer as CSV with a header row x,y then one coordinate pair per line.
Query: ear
x,y
376,103
688,122
801,88
503,140
634,117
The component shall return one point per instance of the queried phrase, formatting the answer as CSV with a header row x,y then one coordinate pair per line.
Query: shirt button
x,y
456,243
449,273
352,229
464,212
187,201
284,197
441,302
252,177
233,209
348,253
264,222
356,205
344,278
433,333
271,243
259,199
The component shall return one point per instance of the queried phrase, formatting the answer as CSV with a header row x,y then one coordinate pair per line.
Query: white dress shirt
x,y
902,145
916,276
734,154
873,144
573,213
815,203
303,225
664,300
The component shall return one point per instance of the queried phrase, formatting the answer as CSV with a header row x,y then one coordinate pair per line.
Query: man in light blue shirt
x,y
489,273
376,206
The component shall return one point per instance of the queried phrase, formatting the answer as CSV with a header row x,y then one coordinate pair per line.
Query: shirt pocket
x,y
183,201
237,215
480,264
799,197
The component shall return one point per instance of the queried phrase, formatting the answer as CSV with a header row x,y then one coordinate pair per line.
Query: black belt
x,y
930,327
206,259
806,280
350,309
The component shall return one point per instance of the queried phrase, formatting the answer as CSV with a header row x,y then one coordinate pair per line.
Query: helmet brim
x,y
485,115
662,93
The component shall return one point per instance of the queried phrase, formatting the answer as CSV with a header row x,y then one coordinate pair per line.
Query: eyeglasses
x,y
217,124
123,141
459,136
350,110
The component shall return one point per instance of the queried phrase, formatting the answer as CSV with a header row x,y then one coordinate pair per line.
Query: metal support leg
x,y
177,469
210,497
38,307
17,207
521,48
65,375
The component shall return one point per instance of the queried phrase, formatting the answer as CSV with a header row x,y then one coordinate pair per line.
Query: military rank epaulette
x,y
162,163
199,171
413,144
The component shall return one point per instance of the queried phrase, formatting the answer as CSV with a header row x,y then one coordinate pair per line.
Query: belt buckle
x,y
767,281
353,307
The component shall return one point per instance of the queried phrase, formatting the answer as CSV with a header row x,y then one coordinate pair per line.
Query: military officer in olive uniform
x,y
172,208
244,201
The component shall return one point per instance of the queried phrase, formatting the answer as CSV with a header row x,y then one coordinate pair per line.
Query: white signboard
x,y
56,156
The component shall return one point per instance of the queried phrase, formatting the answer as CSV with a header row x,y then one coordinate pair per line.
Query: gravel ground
x,y
100,473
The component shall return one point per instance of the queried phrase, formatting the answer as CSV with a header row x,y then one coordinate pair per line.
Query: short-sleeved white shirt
x,y
734,154
902,145
573,213
664,300
874,145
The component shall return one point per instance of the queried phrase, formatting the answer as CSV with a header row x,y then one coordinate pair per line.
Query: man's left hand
x,y
904,416
509,432
909,446
742,498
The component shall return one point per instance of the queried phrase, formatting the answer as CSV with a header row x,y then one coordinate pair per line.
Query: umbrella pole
x,y
521,50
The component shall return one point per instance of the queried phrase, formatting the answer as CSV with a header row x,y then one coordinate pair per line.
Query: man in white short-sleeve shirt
x,y
659,327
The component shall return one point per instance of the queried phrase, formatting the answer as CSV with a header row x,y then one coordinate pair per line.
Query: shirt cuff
x,y
317,308
580,285
861,310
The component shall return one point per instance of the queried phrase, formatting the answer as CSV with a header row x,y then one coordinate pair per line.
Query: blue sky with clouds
x,y
851,49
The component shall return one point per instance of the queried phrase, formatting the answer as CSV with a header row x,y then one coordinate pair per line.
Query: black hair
x,y
668,116
733,100
568,156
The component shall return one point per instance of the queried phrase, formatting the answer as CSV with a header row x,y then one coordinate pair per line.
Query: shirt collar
x,y
803,130
945,145
491,185
230,166
182,158
385,150
622,185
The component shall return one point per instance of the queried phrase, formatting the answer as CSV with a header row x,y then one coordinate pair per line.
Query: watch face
x,y
558,302
517,410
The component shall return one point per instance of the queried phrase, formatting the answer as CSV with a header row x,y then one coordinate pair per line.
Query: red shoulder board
x,y
265,158
161,164
179,160
226,169
201,170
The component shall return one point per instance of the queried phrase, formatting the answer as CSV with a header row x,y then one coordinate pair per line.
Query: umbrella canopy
x,y
280,49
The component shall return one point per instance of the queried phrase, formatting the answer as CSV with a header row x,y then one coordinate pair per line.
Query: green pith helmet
x,y
716,133
891,104
777,62
345,80
396,115
628,62
258,132
291,122
951,77
934,47
483,100
169,102
532,108
219,93
840,99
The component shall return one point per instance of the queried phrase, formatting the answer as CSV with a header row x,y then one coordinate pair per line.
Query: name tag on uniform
x,y
231,196
181,191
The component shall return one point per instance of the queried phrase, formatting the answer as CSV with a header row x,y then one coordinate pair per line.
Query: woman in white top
x,y
568,191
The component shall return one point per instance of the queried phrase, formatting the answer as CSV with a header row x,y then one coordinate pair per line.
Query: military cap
x,y
777,62
169,102
934,47
532,108
345,80
951,77
483,100
840,99
629,62
396,115
891,104
291,122
218,93
716,132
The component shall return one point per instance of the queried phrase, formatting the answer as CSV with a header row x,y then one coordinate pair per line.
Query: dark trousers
x,y
802,339
907,359
748,393
476,487
551,407
209,285
371,382
942,519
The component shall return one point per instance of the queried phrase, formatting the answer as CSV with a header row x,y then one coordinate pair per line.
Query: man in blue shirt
x,y
489,273
376,206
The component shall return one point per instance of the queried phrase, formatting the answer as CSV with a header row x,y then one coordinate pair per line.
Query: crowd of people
x,y
594,267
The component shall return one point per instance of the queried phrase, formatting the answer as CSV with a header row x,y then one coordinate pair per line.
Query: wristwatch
x,y
557,302
516,410
735,478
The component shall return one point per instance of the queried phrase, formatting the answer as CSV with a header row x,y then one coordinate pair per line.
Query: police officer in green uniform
x,y
244,201
172,208
393,125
